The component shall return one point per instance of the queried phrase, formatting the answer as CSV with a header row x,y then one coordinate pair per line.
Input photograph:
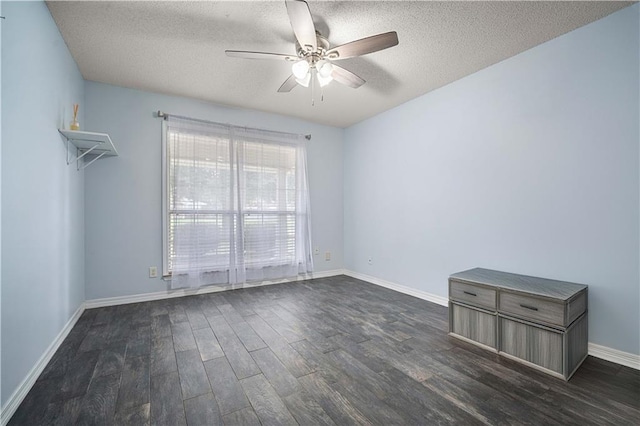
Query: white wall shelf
x,y
88,143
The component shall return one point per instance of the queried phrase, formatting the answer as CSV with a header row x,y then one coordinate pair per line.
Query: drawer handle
x,y
469,293
533,308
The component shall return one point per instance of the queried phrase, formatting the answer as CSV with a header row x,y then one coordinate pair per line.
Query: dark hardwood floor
x,y
325,351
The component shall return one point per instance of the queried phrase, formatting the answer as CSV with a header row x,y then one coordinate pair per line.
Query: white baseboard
x,y
168,294
23,389
619,357
598,351
439,300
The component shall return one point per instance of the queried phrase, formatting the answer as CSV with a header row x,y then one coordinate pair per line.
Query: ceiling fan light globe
x,y
304,82
324,80
324,68
300,69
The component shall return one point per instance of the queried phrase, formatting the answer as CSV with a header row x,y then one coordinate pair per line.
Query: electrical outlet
x,y
153,272
370,261
316,251
327,256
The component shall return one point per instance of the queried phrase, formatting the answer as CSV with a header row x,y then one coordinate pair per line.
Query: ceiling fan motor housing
x,y
319,54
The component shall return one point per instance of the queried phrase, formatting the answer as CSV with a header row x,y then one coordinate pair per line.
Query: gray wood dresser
x,y
540,322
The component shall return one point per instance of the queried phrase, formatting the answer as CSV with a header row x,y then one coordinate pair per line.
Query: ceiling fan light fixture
x,y
324,68
324,80
304,82
300,69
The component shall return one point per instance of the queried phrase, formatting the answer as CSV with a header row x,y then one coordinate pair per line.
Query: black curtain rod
x,y
165,115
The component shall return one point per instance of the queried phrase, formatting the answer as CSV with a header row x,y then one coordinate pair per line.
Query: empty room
x,y
319,212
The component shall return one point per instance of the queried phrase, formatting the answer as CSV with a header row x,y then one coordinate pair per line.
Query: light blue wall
x,y
529,166
123,196
42,197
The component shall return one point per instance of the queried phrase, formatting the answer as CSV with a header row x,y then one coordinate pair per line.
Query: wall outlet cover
x,y
153,272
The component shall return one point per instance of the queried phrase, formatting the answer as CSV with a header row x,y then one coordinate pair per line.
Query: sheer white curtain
x,y
238,204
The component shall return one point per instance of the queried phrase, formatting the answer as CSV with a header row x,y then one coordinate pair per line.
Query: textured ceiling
x,y
178,47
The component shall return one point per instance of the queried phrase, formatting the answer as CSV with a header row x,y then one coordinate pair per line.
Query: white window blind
x,y
237,204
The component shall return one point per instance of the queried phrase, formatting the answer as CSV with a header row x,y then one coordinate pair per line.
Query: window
x,y
236,204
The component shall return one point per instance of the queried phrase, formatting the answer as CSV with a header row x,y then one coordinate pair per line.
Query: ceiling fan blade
x,y
302,24
288,84
259,55
364,46
346,77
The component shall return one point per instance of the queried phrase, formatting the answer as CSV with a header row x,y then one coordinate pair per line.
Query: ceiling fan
x,y
314,55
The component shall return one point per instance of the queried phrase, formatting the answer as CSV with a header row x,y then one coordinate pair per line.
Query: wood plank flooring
x,y
333,351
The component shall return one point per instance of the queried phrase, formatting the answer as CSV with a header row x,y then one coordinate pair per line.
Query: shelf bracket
x,y
79,157
92,161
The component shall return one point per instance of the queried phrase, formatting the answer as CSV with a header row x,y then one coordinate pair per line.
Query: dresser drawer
x,y
532,308
481,297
